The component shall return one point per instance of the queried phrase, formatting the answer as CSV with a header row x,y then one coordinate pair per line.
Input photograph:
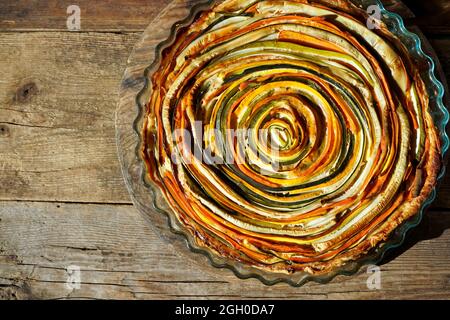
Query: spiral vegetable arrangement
x,y
287,135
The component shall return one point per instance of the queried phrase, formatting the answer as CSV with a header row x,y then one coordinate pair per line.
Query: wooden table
x,y
63,201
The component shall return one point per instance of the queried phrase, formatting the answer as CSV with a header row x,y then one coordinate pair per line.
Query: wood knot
x,y
25,92
4,130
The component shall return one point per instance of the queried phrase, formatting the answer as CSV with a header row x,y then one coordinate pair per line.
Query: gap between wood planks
x,y
430,209
90,202
105,17
111,31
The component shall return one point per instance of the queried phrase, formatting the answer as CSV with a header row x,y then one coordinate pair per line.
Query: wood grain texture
x,y
57,98
121,257
442,49
98,15
433,16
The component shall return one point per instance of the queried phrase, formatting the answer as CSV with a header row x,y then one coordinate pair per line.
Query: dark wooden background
x,y
62,198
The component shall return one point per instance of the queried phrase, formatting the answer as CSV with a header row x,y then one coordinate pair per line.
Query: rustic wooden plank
x,y
398,7
99,15
57,99
442,49
105,15
432,16
441,46
120,256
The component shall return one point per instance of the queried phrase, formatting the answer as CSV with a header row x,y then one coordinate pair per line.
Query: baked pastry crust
x,y
319,128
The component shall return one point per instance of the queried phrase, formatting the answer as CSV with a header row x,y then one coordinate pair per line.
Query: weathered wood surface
x,y
57,99
98,15
121,257
432,16
110,16
64,200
